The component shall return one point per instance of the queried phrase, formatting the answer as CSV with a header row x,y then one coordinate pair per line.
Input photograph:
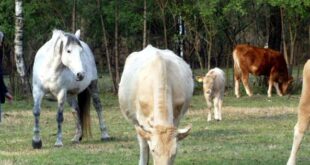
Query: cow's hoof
x,y
36,144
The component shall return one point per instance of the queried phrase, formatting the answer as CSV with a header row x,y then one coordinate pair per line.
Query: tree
x,y
19,59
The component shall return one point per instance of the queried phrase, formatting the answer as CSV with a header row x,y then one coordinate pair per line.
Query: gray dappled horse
x,y
65,67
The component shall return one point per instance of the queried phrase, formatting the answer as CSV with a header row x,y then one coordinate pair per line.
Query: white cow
x,y
154,93
213,90
303,114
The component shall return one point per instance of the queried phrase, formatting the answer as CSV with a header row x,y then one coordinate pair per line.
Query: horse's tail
x,y
84,105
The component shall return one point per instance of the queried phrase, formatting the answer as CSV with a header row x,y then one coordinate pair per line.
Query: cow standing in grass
x,y
303,114
260,61
213,90
154,93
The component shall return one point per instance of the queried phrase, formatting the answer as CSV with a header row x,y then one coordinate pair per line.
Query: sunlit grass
x,y
256,130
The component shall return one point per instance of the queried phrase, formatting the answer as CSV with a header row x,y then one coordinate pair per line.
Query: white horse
x,y
65,67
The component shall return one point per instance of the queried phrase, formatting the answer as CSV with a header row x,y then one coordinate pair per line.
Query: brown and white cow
x,y
213,90
154,93
303,114
260,61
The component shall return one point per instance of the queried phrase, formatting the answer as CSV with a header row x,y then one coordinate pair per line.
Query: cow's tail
x,y
237,69
84,115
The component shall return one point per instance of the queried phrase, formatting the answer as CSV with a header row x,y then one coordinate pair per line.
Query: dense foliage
x,y
212,27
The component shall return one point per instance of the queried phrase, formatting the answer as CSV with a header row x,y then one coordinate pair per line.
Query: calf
x,y
213,90
303,114
154,93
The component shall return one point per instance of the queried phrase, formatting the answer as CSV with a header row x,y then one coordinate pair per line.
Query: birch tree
x,y
18,48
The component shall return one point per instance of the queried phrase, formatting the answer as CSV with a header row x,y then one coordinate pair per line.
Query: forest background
x,y
203,31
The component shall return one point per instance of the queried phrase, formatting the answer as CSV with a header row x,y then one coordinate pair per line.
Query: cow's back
x,y
219,82
305,94
258,61
139,74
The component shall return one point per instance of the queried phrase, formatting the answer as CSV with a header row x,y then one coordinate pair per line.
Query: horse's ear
x,y
78,33
61,47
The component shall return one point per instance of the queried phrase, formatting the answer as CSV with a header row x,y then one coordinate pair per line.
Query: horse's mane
x,y
72,39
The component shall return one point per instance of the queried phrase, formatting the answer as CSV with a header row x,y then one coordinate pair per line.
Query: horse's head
x,y
70,49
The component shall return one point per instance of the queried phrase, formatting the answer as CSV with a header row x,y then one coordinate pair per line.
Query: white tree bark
x,y
18,44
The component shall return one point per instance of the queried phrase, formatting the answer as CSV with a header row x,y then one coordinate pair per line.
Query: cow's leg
x,y
245,81
75,112
61,100
37,98
276,85
216,108
220,108
299,130
144,151
98,106
209,107
269,88
237,86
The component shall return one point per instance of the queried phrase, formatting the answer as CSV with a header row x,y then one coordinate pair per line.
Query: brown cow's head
x,y
286,84
162,141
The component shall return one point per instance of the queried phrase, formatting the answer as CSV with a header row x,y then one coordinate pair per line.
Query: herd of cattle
x,y
156,89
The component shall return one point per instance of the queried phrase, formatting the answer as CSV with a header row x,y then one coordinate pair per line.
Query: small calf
x,y
213,89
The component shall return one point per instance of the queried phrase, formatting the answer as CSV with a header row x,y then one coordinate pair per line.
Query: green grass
x,y
255,130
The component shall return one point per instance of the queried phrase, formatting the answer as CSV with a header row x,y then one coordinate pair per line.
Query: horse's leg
x,y
93,88
75,112
61,97
37,98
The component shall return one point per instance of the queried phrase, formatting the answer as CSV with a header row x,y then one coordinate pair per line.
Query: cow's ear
x,y
182,133
291,79
199,78
146,135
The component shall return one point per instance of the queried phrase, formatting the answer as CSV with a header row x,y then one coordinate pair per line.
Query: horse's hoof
x,y
36,145
105,139
58,144
75,141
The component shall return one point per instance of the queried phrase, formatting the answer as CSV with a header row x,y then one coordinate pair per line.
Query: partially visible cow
x,y
154,93
213,90
303,114
260,61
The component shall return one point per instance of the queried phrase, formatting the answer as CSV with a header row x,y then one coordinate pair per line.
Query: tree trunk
x,y
274,41
117,76
284,42
144,26
197,48
162,5
105,42
18,48
73,25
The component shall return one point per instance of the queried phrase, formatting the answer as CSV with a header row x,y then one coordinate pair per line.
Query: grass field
x,y
254,130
